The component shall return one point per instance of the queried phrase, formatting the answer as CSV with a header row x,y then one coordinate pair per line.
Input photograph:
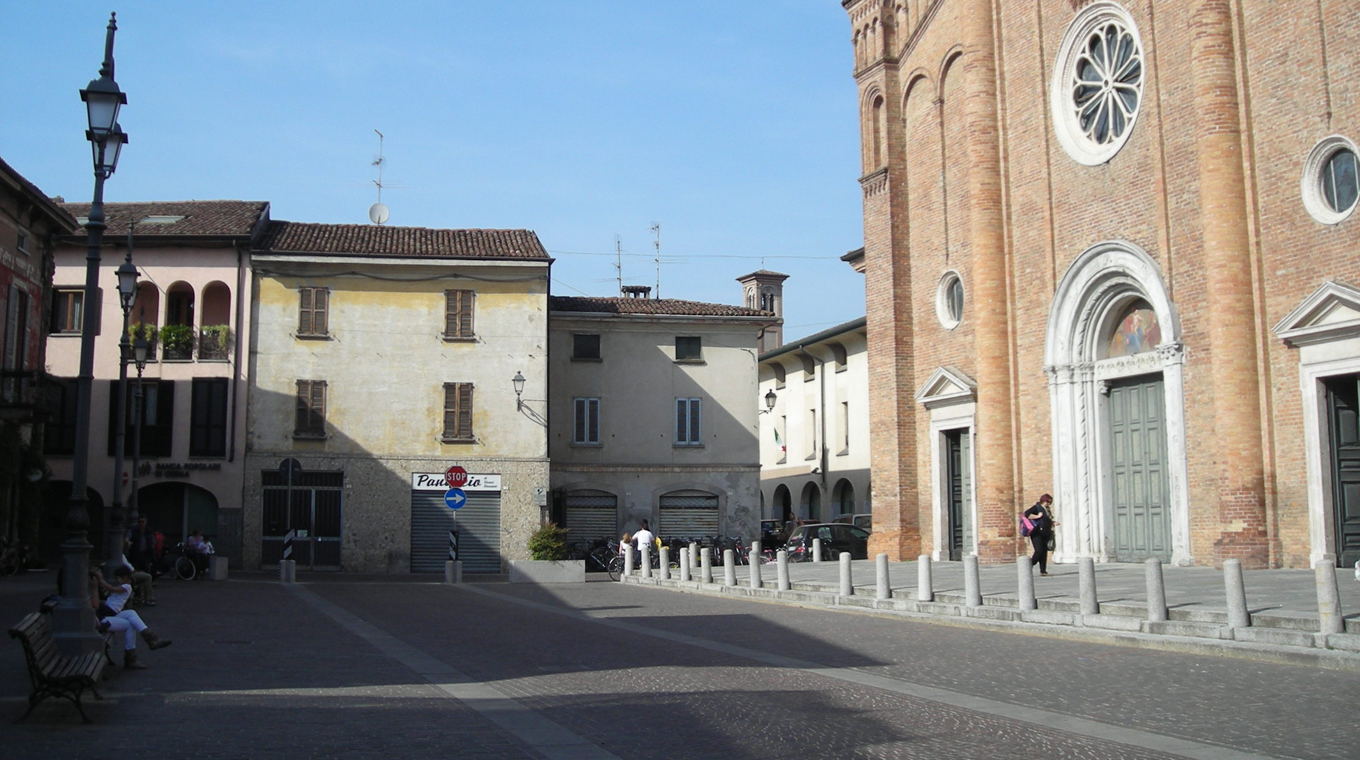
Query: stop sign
x,y
455,476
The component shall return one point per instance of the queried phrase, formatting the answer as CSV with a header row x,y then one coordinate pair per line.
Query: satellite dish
x,y
378,213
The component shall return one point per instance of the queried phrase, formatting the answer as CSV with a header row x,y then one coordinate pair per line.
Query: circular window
x,y
1097,88
949,300
1331,183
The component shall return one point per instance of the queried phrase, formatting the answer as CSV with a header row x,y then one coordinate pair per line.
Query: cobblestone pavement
x,y
336,666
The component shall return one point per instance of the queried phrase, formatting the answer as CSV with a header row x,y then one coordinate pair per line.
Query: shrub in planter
x,y
178,341
549,543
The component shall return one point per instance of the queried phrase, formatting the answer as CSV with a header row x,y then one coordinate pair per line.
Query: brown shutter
x,y
304,314
320,311
458,307
465,318
450,409
465,411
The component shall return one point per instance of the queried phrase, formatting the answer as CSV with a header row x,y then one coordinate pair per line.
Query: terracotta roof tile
x,y
660,306
208,218
376,240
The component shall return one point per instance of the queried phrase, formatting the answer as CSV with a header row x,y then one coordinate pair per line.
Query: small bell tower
x,y
764,290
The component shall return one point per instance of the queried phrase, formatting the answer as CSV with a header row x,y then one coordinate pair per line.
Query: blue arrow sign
x,y
454,498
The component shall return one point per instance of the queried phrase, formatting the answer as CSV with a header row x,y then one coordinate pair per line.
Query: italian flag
x,y
779,442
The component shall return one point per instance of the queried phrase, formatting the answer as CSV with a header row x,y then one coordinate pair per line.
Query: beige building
x,y
814,440
1119,236
653,416
384,356
194,261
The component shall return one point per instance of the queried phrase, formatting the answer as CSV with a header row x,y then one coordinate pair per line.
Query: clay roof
x,y
378,240
200,218
658,306
763,273
60,217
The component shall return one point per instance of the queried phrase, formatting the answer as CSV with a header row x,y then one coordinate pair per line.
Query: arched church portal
x,y
1114,361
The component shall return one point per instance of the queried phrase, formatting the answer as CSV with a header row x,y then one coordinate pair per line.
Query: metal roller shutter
x,y
479,532
689,514
591,515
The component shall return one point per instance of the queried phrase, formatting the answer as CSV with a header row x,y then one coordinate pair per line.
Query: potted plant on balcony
x,y
178,341
213,342
548,548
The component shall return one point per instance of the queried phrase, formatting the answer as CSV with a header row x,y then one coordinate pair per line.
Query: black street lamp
x,y
127,292
141,351
73,619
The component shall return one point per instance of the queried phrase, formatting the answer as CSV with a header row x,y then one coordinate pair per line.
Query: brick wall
x,y
1221,216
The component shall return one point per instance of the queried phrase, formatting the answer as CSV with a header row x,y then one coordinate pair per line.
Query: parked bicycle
x,y
181,566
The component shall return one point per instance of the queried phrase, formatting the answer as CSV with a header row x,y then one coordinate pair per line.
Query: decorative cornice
x,y
874,182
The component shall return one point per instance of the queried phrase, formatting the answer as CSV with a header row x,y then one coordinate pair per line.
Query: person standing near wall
x,y
1042,517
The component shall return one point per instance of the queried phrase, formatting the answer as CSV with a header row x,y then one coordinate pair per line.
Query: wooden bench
x,y
51,674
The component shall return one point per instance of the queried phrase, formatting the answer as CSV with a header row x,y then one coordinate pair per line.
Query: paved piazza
x,y
338,666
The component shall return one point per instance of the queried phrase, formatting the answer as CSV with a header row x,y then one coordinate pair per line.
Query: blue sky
x,y
731,124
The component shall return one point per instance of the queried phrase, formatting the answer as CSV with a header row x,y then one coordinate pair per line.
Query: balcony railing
x,y
213,343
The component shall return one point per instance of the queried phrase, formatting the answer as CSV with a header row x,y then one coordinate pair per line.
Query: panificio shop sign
x,y
435,481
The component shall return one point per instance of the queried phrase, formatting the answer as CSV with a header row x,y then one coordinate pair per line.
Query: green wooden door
x,y
959,492
1343,405
1142,515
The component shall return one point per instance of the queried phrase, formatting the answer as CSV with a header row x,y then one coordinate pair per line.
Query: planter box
x,y
543,571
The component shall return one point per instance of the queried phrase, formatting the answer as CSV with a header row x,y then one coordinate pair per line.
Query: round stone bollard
x,y
816,550
782,569
847,579
729,568
665,564
925,584
1156,591
453,571
646,561
694,555
1024,570
706,565
1236,591
1090,603
627,560
684,563
881,577
972,586
1328,599
753,562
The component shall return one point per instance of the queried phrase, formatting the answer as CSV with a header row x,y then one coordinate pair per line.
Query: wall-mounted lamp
x,y
518,381
770,398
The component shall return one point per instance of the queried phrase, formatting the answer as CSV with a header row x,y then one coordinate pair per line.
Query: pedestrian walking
x,y
1041,537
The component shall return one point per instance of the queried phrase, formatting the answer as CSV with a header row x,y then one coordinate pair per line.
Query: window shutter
x,y
465,315
694,419
304,312
304,395
681,418
317,418
458,308
580,433
320,311
465,410
593,405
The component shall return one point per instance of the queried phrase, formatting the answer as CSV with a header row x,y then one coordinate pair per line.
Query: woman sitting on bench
x,y
112,617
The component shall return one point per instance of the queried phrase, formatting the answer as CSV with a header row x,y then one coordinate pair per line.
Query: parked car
x,y
865,521
836,538
771,534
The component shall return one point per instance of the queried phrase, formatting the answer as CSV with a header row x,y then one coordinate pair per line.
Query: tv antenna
x,y
656,230
378,213
618,267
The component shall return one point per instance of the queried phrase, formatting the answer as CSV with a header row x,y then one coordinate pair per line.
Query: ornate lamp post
x,y
127,291
73,619
141,350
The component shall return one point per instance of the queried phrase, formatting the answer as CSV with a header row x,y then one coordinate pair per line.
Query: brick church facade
x,y
1111,255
